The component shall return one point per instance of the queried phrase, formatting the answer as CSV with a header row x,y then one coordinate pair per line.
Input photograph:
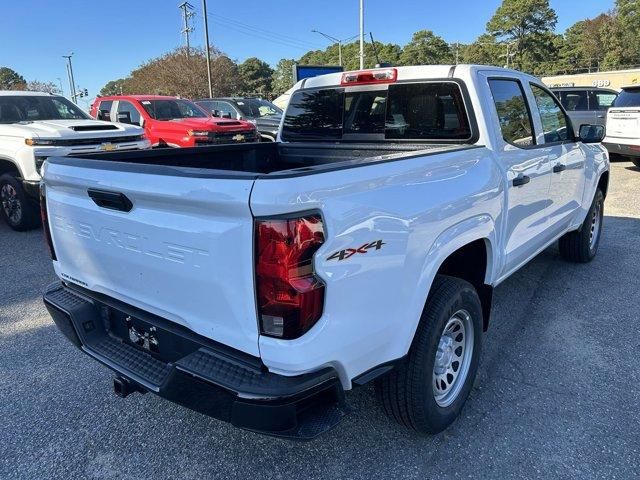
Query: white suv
x,y
623,125
35,126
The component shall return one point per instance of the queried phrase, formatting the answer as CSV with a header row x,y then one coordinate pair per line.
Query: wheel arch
x,y
466,250
603,182
8,165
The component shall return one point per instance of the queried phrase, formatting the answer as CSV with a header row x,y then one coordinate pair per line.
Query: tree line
x,y
521,34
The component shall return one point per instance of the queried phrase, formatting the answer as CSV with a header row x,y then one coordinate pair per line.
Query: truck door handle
x,y
559,168
599,116
111,200
521,180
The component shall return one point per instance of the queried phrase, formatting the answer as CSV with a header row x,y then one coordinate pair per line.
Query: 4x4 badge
x,y
350,252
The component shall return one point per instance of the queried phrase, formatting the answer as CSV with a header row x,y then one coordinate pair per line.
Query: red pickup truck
x,y
172,121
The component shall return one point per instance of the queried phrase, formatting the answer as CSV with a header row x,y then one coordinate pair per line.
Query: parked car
x,y
623,125
263,114
172,121
586,105
363,246
34,126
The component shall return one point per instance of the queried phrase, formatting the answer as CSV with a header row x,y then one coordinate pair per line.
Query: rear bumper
x,y
154,355
622,149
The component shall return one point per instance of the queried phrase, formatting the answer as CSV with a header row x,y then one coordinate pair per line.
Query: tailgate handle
x,y
111,200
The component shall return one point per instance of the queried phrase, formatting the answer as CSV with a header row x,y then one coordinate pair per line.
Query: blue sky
x,y
110,38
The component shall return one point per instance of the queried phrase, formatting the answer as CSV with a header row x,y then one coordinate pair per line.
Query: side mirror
x,y
591,133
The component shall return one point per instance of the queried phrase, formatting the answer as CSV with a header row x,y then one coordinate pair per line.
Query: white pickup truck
x,y
259,282
34,126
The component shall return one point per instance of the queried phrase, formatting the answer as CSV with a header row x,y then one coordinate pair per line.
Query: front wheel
x,y
427,392
581,246
17,209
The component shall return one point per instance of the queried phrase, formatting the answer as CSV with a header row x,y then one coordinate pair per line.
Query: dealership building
x,y
614,79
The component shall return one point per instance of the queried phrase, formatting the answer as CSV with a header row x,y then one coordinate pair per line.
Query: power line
x,y
258,35
262,33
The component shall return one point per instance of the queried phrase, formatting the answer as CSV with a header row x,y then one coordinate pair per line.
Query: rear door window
x,y
575,100
513,112
628,98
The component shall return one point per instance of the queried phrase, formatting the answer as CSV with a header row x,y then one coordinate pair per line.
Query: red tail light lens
x,y
368,77
45,222
290,296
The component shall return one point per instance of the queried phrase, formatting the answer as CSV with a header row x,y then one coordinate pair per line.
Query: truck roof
x,y
138,97
418,72
6,93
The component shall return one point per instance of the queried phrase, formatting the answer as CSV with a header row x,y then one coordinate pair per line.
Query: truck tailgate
x,y
184,250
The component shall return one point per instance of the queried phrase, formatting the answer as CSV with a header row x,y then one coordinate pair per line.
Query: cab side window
x,y
513,112
555,124
128,113
601,101
104,110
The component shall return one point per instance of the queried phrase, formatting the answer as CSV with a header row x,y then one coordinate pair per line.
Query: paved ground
x,y
558,393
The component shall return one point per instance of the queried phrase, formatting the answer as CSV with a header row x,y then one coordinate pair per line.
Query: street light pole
x,y
72,82
361,34
206,43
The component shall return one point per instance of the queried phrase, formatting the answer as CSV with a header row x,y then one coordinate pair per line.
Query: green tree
x,y
527,25
387,52
485,51
620,36
282,78
582,49
256,76
113,87
11,80
426,48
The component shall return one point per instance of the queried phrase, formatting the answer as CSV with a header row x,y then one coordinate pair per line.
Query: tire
x,y
581,246
18,210
636,162
408,394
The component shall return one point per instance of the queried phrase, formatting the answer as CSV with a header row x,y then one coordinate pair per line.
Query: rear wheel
x,y
427,392
17,209
581,245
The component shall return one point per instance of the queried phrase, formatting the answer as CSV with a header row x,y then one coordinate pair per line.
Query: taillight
x,y
368,77
290,296
45,222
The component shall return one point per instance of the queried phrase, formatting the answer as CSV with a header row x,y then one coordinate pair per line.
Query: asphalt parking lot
x,y
557,396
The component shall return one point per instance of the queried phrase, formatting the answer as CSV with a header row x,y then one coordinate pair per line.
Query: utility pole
x,y
206,45
457,53
187,14
72,82
361,34
61,87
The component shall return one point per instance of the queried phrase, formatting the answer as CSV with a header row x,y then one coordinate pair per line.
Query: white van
x,y
623,125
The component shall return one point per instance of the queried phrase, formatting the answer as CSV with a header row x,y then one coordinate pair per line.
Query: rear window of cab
x,y
628,97
430,111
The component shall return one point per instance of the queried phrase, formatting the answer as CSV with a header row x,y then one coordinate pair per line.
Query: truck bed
x,y
256,159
